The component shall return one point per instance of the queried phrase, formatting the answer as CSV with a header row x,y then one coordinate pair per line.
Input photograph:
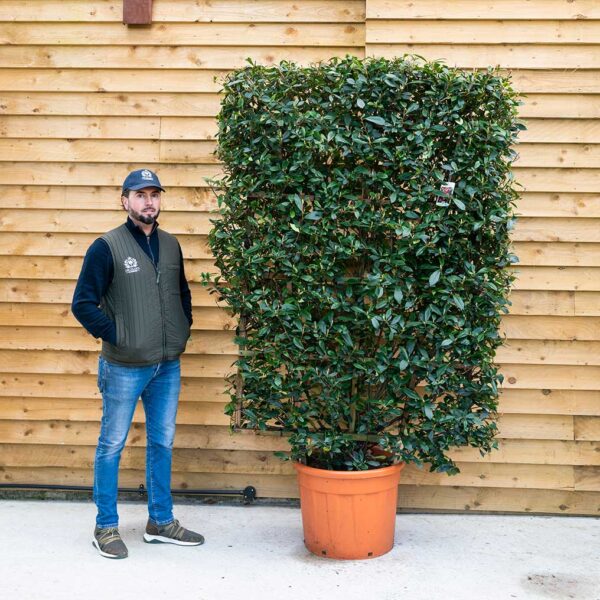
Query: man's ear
x,y
123,200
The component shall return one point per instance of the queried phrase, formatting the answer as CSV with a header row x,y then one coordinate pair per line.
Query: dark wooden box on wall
x,y
137,12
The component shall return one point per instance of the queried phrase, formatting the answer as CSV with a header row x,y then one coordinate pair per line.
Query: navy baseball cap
x,y
142,178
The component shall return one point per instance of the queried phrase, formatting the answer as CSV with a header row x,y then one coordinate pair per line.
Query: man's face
x,y
143,205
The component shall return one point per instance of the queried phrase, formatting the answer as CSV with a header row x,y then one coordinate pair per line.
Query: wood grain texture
x,y
161,57
76,244
546,204
481,31
104,79
100,198
483,9
85,100
512,56
221,11
61,291
192,34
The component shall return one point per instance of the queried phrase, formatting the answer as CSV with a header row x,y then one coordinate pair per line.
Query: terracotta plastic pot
x,y
348,514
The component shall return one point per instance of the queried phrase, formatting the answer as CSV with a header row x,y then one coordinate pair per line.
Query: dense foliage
x,y
369,301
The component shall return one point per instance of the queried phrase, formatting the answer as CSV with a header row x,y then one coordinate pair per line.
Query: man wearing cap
x,y
133,294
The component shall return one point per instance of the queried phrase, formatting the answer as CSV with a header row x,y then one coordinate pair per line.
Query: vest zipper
x,y
160,298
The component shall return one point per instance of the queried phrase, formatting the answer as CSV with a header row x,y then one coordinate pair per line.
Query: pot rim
x,y
369,473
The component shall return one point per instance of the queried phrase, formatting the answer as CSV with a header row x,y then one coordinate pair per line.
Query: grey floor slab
x,y
256,552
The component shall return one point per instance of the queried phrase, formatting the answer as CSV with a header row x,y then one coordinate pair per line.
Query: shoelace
x,y
110,534
174,529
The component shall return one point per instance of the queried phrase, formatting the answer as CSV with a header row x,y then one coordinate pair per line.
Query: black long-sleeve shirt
x,y
97,274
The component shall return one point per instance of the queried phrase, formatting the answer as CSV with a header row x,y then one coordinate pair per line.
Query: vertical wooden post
x,y
137,12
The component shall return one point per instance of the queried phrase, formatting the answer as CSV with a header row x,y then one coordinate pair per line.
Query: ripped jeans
x,y
121,387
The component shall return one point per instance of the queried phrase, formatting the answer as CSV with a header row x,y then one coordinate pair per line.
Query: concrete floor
x,y
256,552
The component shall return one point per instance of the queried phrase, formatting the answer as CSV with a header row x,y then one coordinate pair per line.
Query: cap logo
x,y
147,175
131,265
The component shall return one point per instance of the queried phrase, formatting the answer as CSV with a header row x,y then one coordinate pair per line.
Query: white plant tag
x,y
446,191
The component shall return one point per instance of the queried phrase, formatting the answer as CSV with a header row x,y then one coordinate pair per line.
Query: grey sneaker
x,y
171,533
109,543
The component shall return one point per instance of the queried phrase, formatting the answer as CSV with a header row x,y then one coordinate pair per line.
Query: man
x,y
133,294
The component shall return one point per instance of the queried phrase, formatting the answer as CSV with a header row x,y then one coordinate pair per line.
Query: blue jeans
x,y
121,387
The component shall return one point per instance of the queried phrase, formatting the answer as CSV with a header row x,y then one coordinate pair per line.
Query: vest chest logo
x,y
131,265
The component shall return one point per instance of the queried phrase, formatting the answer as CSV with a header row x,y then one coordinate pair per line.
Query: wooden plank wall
x,y
83,100
550,423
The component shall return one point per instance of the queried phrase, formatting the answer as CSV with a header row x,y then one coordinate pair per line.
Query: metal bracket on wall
x,y
137,12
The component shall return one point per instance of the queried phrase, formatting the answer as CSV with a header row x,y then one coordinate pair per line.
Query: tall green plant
x,y
369,301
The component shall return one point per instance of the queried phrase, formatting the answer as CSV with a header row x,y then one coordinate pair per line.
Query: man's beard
x,y
144,218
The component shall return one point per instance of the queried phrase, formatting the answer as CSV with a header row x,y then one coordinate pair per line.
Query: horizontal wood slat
x,y
198,223
530,204
223,11
467,9
560,352
512,56
61,291
78,174
207,104
204,414
200,437
181,151
160,57
52,385
560,105
65,268
557,254
77,339
193,34
545,427
512,402
521,376
105,198
558,180
549,402
110,151
557,278
536,352
545,204
561,131
480,31
516,375
110,104
182,175
195,246
101,79
46,221
551,328
82,362
76,244
59,315
536,302
541,229
229,461
530,81
497,499
114,128
516,327
558,155
58,221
